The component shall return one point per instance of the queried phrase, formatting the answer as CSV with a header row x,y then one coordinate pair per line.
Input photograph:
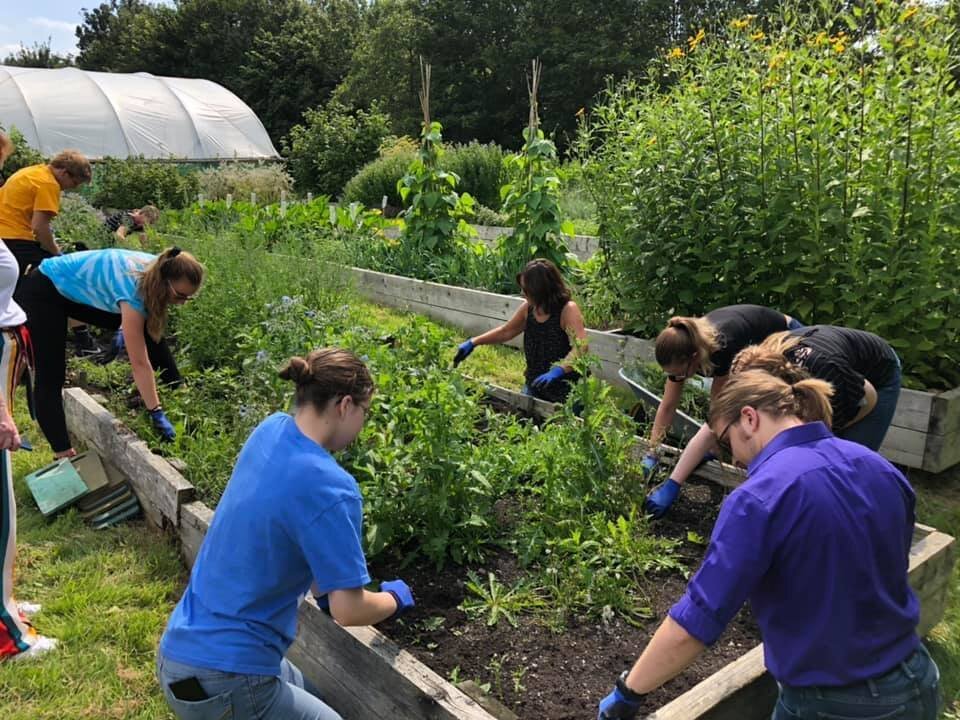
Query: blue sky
x,y
33,21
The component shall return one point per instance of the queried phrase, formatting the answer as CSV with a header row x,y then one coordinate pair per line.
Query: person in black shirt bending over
x,y
704,345
862,367
548,319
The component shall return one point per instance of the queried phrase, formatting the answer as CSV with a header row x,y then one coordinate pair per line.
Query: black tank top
x,y
544,344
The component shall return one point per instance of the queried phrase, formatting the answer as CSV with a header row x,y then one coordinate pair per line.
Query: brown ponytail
x,y
326,374
684,336
771,356
807,399
154,285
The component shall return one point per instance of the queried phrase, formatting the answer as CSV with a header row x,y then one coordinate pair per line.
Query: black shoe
x,y
83,343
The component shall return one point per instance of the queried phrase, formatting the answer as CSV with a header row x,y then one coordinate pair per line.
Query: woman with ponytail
x,y
111,289
862,368
817,539
705,346
289,522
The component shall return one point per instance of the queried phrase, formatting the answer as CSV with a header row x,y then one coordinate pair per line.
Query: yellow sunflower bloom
x,y
696,39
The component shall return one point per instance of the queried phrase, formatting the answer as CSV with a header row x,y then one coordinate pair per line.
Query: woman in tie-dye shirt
x,y
107,288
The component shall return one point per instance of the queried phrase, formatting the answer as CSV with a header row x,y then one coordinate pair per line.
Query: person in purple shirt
x,y
817,539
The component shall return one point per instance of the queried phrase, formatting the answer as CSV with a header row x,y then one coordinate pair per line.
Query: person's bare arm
x,y
506,332
43,232
121,232
361,607
666,411
133,326
571,320
670,650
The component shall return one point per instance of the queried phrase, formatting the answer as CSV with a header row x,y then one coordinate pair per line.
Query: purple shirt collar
x,y
800,435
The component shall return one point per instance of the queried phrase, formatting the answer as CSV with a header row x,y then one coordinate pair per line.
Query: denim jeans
x,y
870,430
795,324
911,691
243,697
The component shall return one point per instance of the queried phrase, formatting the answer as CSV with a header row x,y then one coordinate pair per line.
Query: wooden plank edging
x,y
395,684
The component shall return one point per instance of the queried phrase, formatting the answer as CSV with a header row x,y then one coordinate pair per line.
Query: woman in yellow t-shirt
x,y
30,199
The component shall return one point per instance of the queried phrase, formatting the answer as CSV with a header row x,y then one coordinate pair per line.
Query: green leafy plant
x,y
134,182
497,601
825,183
23,155
267,180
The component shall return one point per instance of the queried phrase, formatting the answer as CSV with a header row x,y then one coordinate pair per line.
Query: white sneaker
x,y
29,609
43,645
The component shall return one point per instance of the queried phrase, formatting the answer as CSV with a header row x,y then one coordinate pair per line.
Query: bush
x,y
335,141
79,221
478,166
135,182
23,155
241,179
379,178
825,181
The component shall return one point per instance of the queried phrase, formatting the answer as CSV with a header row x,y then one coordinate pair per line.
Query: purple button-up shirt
x,y
817,539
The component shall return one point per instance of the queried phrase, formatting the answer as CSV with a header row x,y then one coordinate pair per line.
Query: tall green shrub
x,y
811,165
134,182
23,155
332,144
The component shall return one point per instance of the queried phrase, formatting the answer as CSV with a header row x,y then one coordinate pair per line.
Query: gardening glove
x,y
621,703
162,424
649,464
117,346
660,500
401,594
554,373
463,351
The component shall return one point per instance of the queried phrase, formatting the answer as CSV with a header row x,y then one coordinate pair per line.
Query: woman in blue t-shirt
x,y
111,289
289,522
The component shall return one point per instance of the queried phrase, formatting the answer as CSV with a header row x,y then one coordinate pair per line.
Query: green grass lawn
x,y
106,596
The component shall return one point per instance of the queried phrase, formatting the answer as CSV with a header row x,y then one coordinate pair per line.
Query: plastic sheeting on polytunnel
x,y
128,115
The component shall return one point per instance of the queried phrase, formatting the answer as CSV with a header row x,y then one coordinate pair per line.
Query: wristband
x,y
400,608
158,407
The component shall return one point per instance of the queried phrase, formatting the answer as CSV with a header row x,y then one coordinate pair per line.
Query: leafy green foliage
x,y
79,221
23,155
825,182
435,214
378,179
134,182
332,144
496,601
531,202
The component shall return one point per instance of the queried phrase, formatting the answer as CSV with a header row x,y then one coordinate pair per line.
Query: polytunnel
x,y
124,115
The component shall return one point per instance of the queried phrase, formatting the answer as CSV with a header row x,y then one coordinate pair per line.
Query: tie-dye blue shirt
x,y
99,278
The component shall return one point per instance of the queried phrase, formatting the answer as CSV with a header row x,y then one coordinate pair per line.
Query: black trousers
x,y
47,312
28,253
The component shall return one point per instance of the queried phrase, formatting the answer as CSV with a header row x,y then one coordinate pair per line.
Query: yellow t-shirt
x,y
27,190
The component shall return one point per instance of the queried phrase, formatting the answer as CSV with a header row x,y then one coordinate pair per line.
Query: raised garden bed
x,y
366,675
925,432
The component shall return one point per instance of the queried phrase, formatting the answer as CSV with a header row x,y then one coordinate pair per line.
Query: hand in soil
x,y
463,351
618,705
660,500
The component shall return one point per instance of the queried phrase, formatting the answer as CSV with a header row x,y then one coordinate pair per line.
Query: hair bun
x,y
296,370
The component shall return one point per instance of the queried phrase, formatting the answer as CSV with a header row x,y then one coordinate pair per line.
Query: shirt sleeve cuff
x,y
696,620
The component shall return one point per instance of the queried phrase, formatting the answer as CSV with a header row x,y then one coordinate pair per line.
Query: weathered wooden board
x,y
195,519
160,488
365,675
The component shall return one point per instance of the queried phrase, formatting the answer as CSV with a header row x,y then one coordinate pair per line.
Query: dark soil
x,y
541,673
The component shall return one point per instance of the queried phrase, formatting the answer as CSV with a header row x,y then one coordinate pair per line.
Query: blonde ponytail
x,y
807,399
154,285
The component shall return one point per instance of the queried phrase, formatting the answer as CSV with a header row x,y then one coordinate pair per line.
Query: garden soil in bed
x,y
538,672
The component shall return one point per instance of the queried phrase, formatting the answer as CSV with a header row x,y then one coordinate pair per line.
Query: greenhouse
x,y
129,115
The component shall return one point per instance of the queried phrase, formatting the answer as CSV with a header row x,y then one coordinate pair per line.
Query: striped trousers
x,y
16,634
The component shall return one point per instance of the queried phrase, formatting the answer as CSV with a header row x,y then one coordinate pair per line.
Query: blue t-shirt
x,y
99,278
289,516
818,539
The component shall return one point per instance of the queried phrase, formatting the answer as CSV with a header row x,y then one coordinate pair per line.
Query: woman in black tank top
x,y
547,318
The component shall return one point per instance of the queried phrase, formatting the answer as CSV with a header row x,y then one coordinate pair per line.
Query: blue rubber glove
x,y
401,594
618,705
463,351
117,346
649,464
554,373
660,500
162,424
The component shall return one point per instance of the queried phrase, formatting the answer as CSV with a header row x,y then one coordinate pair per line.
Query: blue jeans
x,y
911,691
795,324
243,697
870,430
